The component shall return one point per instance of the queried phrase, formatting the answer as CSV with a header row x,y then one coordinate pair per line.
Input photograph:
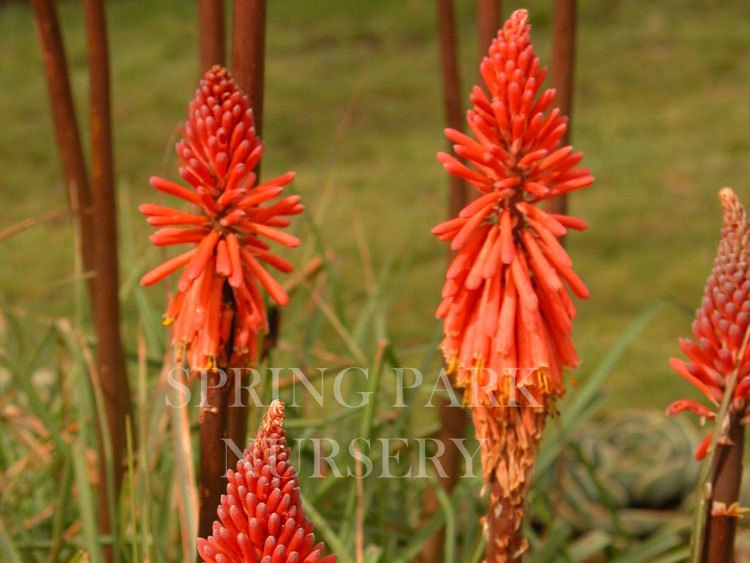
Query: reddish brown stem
x,y
248,64
213,420
718,543
452,426
452,106
211,34
505,541
110,357
452,420
66,129
488,22
236,421
249,52
563,67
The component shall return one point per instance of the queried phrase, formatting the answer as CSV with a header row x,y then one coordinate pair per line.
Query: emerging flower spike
x,y
720,331
219,309
505,302
261,517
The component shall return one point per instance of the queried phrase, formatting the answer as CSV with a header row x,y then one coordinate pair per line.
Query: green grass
x,y
353,104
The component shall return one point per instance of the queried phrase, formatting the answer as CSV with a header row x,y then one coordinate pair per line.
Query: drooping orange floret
x,y
719,347
505,301
261,519
219,310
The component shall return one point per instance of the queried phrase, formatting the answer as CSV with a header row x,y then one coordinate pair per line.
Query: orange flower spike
x,y
515,160
507,309
722,324
217,297
261,518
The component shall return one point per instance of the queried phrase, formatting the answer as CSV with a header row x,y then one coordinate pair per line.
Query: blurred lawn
x,y
353,105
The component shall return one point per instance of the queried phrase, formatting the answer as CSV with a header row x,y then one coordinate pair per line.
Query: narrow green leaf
x,y
412,549
7,548
326,532
588,545
66,484
87,505
654,546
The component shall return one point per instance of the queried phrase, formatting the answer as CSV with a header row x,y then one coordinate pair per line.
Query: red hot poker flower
x,y
261,518
505,301
219,305
720,330
506,305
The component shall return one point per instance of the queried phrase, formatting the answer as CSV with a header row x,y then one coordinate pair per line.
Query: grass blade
x,y
87,505
7,549
326,532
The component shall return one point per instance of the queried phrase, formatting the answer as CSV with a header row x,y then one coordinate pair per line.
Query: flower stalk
x,y
723,513
67,134
488,19
214,453
452,106
110,357
211,35
248,63
249,53
563,73
452,420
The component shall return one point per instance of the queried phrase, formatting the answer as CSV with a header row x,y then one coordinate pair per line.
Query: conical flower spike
x,y
720,331
261,519
510,273
719,366
219,310
506,304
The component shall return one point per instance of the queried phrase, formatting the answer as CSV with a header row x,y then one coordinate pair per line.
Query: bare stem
x,y
451,93
248,60
452,420
66,128
718,542
110,357
211,34
563,68
488,21
236,417
452,425
213,420
249,53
